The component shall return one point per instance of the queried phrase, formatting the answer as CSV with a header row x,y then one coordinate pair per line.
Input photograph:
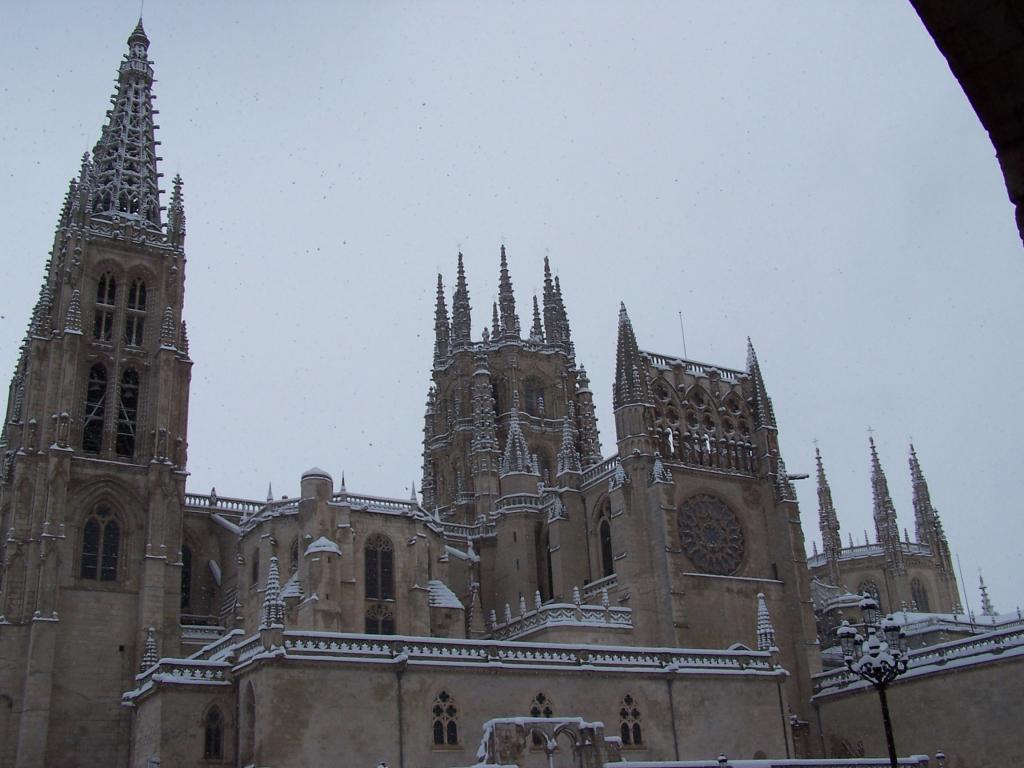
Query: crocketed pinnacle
x,y
551,329
784,490
765,629
516,457
73,318
887,530
125,160
273,604
485,433
507,302
987,609
631,384
924,515
764,412
167,329
568,454
461,325
442,328
565,334
149,655
537,331
828,522
176,213
495,322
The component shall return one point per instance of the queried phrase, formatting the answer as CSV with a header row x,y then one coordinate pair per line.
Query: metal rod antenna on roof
x,y
682,331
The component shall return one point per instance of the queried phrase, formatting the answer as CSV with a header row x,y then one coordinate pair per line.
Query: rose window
x,y
711,535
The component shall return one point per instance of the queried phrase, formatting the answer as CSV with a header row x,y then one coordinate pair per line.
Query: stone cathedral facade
x,y
658,600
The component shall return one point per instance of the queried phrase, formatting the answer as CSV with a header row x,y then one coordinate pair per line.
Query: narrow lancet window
x,y
213,748
135,314
128,413
103,319
95,407
379,584
607,558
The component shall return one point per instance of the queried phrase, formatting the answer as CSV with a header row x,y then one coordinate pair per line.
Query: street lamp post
x,y
879,658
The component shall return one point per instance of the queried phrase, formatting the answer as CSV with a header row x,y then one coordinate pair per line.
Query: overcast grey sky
x,y
809,174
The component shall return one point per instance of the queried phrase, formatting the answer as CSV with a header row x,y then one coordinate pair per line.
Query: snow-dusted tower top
x,y
126,181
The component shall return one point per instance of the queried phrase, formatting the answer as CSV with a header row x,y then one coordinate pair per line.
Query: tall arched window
x,y
128,413
380,577
541,706
446,724
293,566
101,541
604,530
920,596
186,577
103,316
629,716
135,313
213,743
95,409
380,619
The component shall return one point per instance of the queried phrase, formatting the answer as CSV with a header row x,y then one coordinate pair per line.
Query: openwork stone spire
x,y
887,530
568,455
507,302
631,384
828,523
590,439
125,173
924,515
461,324
763,410
442,329
516,457
765,630
273,604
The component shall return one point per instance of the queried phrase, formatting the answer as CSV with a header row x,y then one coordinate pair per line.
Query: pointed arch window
x,y
607,558
186,577
541,706
629,727
293,565
135,314
920,596
446,720
103,318
127,413
213,742
95,409
379,563
101,543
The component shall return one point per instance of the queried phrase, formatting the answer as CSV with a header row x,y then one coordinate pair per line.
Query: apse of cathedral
x,y
662,592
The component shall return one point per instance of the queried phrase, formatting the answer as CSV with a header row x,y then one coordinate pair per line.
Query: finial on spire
x,y
270,492
987,609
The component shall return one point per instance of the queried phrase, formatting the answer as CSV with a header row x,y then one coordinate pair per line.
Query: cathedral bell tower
x,y
93,448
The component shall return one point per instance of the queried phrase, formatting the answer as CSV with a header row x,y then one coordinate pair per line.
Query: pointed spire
x,y
477,628
887,530
568,455
495,322
987,609
149,655
537,331
184,339
176,213
126,178
764,412
516,457
442,328
270,492
412,496
551,330
765,630
924,514
73,318
507,302
41,318
631,385
659,472
461,324
828,523
562,318
273,604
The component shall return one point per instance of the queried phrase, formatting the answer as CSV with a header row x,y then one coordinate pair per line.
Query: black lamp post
x,y
879,658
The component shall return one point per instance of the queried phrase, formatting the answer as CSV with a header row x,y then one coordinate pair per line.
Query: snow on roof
x,y
317,472
442,597
461,555
292,587
323,544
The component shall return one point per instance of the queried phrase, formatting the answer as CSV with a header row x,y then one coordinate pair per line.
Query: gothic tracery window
x,y
541,707
95,408
919,595
711,535
629,717
446,724
379,584
101,542
213,742
103,317
127,413
135,313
